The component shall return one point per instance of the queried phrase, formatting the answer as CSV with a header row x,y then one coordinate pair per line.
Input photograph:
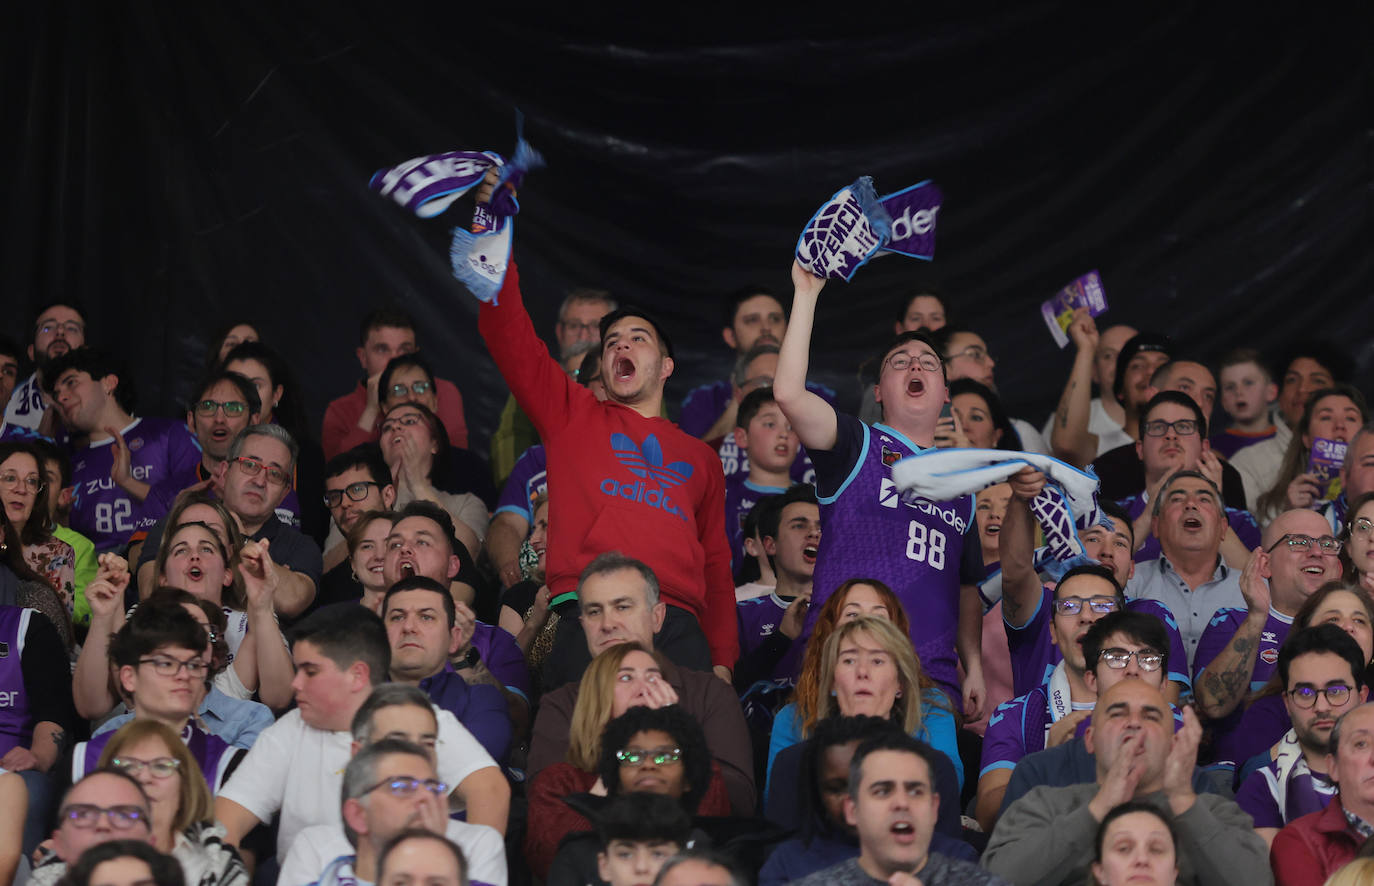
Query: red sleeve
x,y
1294,862
451,413
341,433
721,624
550,819
539,384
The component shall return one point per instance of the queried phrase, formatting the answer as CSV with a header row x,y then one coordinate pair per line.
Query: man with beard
x,y
1321,670
59,327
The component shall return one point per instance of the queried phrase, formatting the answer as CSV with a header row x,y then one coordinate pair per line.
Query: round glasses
x,y
1337,694
356,492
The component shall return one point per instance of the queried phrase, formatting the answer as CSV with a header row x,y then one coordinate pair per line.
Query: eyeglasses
x,y
581,327
419,387
232,408
408,421
404,786
1336,694
162,767
84,815
928,362
170,667
973,352
32,482
1148,659
659,756
251,467
1329,544
1184,427
1362,526
1074,605
356,492
48,327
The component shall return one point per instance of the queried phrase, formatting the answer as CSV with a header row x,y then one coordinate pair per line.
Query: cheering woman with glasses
x,y
181,805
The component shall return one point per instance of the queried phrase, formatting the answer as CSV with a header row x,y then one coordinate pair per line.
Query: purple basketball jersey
x,y
211,753
163,454
921,549
1248,729
16,719
759,619
740,498
528,479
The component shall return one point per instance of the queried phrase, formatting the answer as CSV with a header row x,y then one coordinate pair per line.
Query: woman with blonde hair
x,y
624,676
868,667
182,808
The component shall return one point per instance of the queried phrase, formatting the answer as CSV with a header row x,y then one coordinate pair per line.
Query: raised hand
x,y
1027,483
806,283
1083,330
121,470
1253,586
259,573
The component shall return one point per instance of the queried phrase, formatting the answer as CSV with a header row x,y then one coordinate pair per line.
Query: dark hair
x,y
383,318
387,695
1274,500
1093,569
348,634
10,348
643,818
831,732
1127,808
1158,504
709,857
1327,638
677,723
929,291
422,583
96,364
367,456
238,380
52,452
736,297
46,306
770,521
221,333
39,526
1143,628
665,344
1010,439
433,512
289,411
399,362
420,834
926,338
892,740
1330,357
740,374
1110,508
163,595
438,465
590,368
1178,398
753,401
1241,356
153,626
1144,341
165,869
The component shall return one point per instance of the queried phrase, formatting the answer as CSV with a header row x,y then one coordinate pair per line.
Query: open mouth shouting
x,y
622,369
903,831
809,553
916,386
1192,523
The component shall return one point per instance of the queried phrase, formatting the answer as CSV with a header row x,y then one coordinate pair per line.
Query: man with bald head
x,y
1048,835
1240,646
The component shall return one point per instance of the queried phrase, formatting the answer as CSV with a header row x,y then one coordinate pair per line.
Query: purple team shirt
x,y
1241,521
1254,727
740,498
1034,656
527,480
163,453
921,549
759,618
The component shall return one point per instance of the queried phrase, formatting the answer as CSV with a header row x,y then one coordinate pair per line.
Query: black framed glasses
x,y
162,767
1337,694
86,815
1148,659
355,491
409,420
659,756
1159,427
252,467
170,667
1074,605
405,785
232,408
1328,544
417,387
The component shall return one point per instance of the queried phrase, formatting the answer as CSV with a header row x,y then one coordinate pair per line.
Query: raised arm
x,y
91,680
1223,682
1021,588
1071,440
812,417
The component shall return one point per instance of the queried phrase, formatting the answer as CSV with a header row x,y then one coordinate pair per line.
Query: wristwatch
x,y
469,660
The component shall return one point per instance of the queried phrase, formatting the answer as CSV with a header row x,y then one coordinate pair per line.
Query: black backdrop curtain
x,y
176,165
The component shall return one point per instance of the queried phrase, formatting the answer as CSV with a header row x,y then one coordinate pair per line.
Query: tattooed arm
x,y
1223,683
1071,440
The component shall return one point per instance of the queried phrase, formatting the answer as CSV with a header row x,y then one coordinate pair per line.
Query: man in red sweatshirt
x,y
620,477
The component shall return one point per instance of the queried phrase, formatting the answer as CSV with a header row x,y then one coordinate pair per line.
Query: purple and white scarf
x,y
855,224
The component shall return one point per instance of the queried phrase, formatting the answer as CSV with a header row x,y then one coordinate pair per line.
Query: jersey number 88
x,y
925,545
